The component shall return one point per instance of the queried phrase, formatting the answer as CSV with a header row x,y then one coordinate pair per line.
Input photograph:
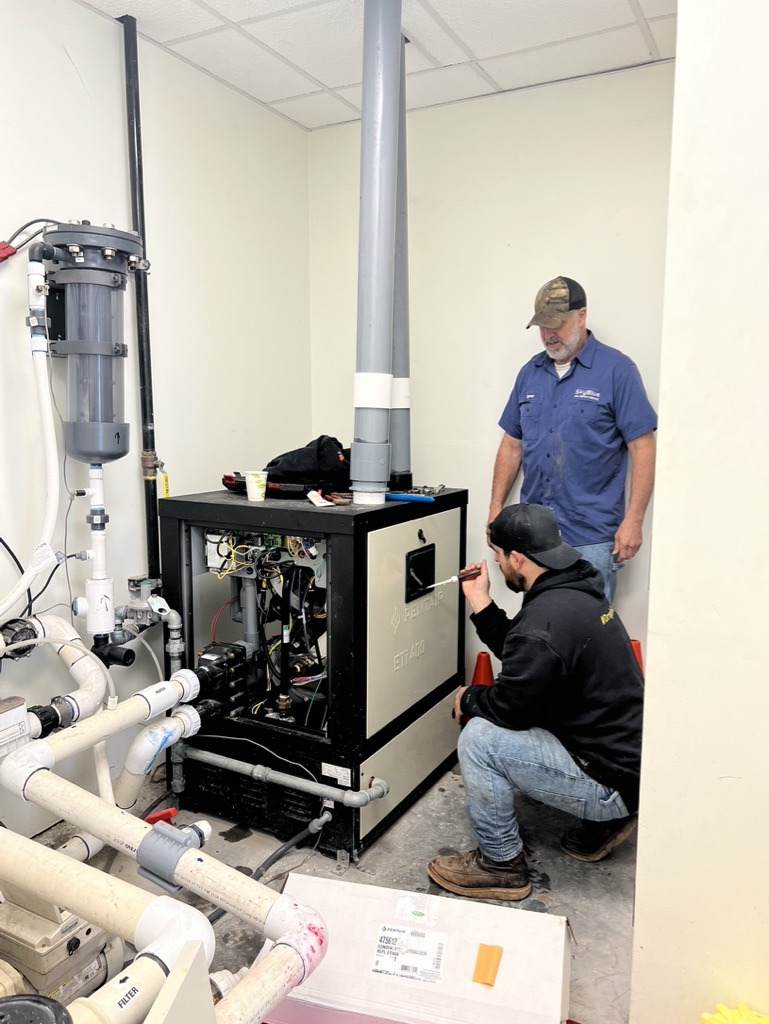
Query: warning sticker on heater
x,y
334,771
409,953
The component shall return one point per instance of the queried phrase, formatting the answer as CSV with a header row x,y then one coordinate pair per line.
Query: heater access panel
x,y
411,630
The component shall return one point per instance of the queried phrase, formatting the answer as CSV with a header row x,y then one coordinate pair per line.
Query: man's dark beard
x,y
515,582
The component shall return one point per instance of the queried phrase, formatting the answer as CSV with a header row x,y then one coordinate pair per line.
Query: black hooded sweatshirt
x,y
568,667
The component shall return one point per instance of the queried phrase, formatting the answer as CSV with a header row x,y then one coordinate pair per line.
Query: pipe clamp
x,y
161,850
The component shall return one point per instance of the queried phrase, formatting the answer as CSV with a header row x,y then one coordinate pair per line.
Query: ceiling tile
x,y
658,8
317,111
326,41
353,94
664,32
240,10
507,26
161,19
429,34
320,42
440,85
620,48
235,59
443,85
416,59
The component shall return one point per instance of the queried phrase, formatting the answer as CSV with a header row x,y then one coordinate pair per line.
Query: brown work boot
x,y
594,840
471,874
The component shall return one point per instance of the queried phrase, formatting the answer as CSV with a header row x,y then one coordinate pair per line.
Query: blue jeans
x,y
494,760
601,557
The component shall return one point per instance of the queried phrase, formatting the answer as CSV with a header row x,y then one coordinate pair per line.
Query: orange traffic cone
x,y
483,674
636,645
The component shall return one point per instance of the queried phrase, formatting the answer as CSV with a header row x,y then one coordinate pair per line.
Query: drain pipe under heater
x,y
377,789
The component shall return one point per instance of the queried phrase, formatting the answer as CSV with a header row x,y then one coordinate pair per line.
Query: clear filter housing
x,y
95,392
90,268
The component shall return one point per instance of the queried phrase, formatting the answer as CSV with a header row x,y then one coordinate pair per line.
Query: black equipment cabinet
x,y
393,662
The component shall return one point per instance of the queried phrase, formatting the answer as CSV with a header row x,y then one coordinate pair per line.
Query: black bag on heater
x,y
323,464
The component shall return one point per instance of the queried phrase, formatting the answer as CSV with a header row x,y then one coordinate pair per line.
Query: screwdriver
x,y
466,574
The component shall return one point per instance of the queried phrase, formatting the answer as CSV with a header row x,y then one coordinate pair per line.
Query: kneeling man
x,y
562,721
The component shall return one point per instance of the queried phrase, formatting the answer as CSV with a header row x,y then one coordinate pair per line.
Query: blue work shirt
x,y
575,431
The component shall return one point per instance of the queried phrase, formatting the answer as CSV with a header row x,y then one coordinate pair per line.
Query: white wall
x,y
702,921
226,203
505,192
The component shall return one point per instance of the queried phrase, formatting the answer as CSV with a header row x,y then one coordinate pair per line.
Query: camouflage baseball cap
x,y
555,300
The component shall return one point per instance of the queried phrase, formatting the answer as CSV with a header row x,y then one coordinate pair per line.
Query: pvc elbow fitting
x,y
185,721
293,924
166,925
20,765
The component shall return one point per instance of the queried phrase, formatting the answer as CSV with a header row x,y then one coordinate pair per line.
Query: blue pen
x,y
397,496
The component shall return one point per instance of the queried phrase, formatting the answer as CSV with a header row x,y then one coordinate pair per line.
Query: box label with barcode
x,y
409,953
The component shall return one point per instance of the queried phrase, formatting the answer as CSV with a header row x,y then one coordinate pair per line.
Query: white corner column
x,y
702,910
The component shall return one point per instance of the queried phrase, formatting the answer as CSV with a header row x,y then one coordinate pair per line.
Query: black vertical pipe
x,y
136,170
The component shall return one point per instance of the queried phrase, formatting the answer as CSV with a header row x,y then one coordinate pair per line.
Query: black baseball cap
x,y
531,530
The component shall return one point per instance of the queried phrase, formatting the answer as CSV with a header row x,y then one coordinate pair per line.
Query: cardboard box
x,y
409,958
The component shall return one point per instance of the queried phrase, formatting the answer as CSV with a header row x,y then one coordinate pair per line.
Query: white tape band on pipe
x,y
372,390
401,395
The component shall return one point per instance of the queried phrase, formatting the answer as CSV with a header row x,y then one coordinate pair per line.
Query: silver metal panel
x,y
412,648
408,759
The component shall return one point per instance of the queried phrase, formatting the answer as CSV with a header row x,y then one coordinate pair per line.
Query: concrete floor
x,y
596,898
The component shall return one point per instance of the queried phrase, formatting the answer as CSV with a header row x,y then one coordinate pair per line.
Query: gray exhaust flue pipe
x,y
400,416
370,455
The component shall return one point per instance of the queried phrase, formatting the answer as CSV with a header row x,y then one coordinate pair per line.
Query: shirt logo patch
x,y
587,394
531,395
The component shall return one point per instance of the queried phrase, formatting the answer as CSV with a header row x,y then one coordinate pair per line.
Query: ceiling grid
x,y
303,58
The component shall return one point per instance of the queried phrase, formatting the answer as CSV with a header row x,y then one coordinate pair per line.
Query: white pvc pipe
x,y
88,671
126,999
36,282
298,931
99,589
156,924
141,756
263,987
102,899
145,748
96,501
278,917
153,700
103,775
81,846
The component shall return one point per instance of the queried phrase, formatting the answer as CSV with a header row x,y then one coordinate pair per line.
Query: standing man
x,y
576,411
562,721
